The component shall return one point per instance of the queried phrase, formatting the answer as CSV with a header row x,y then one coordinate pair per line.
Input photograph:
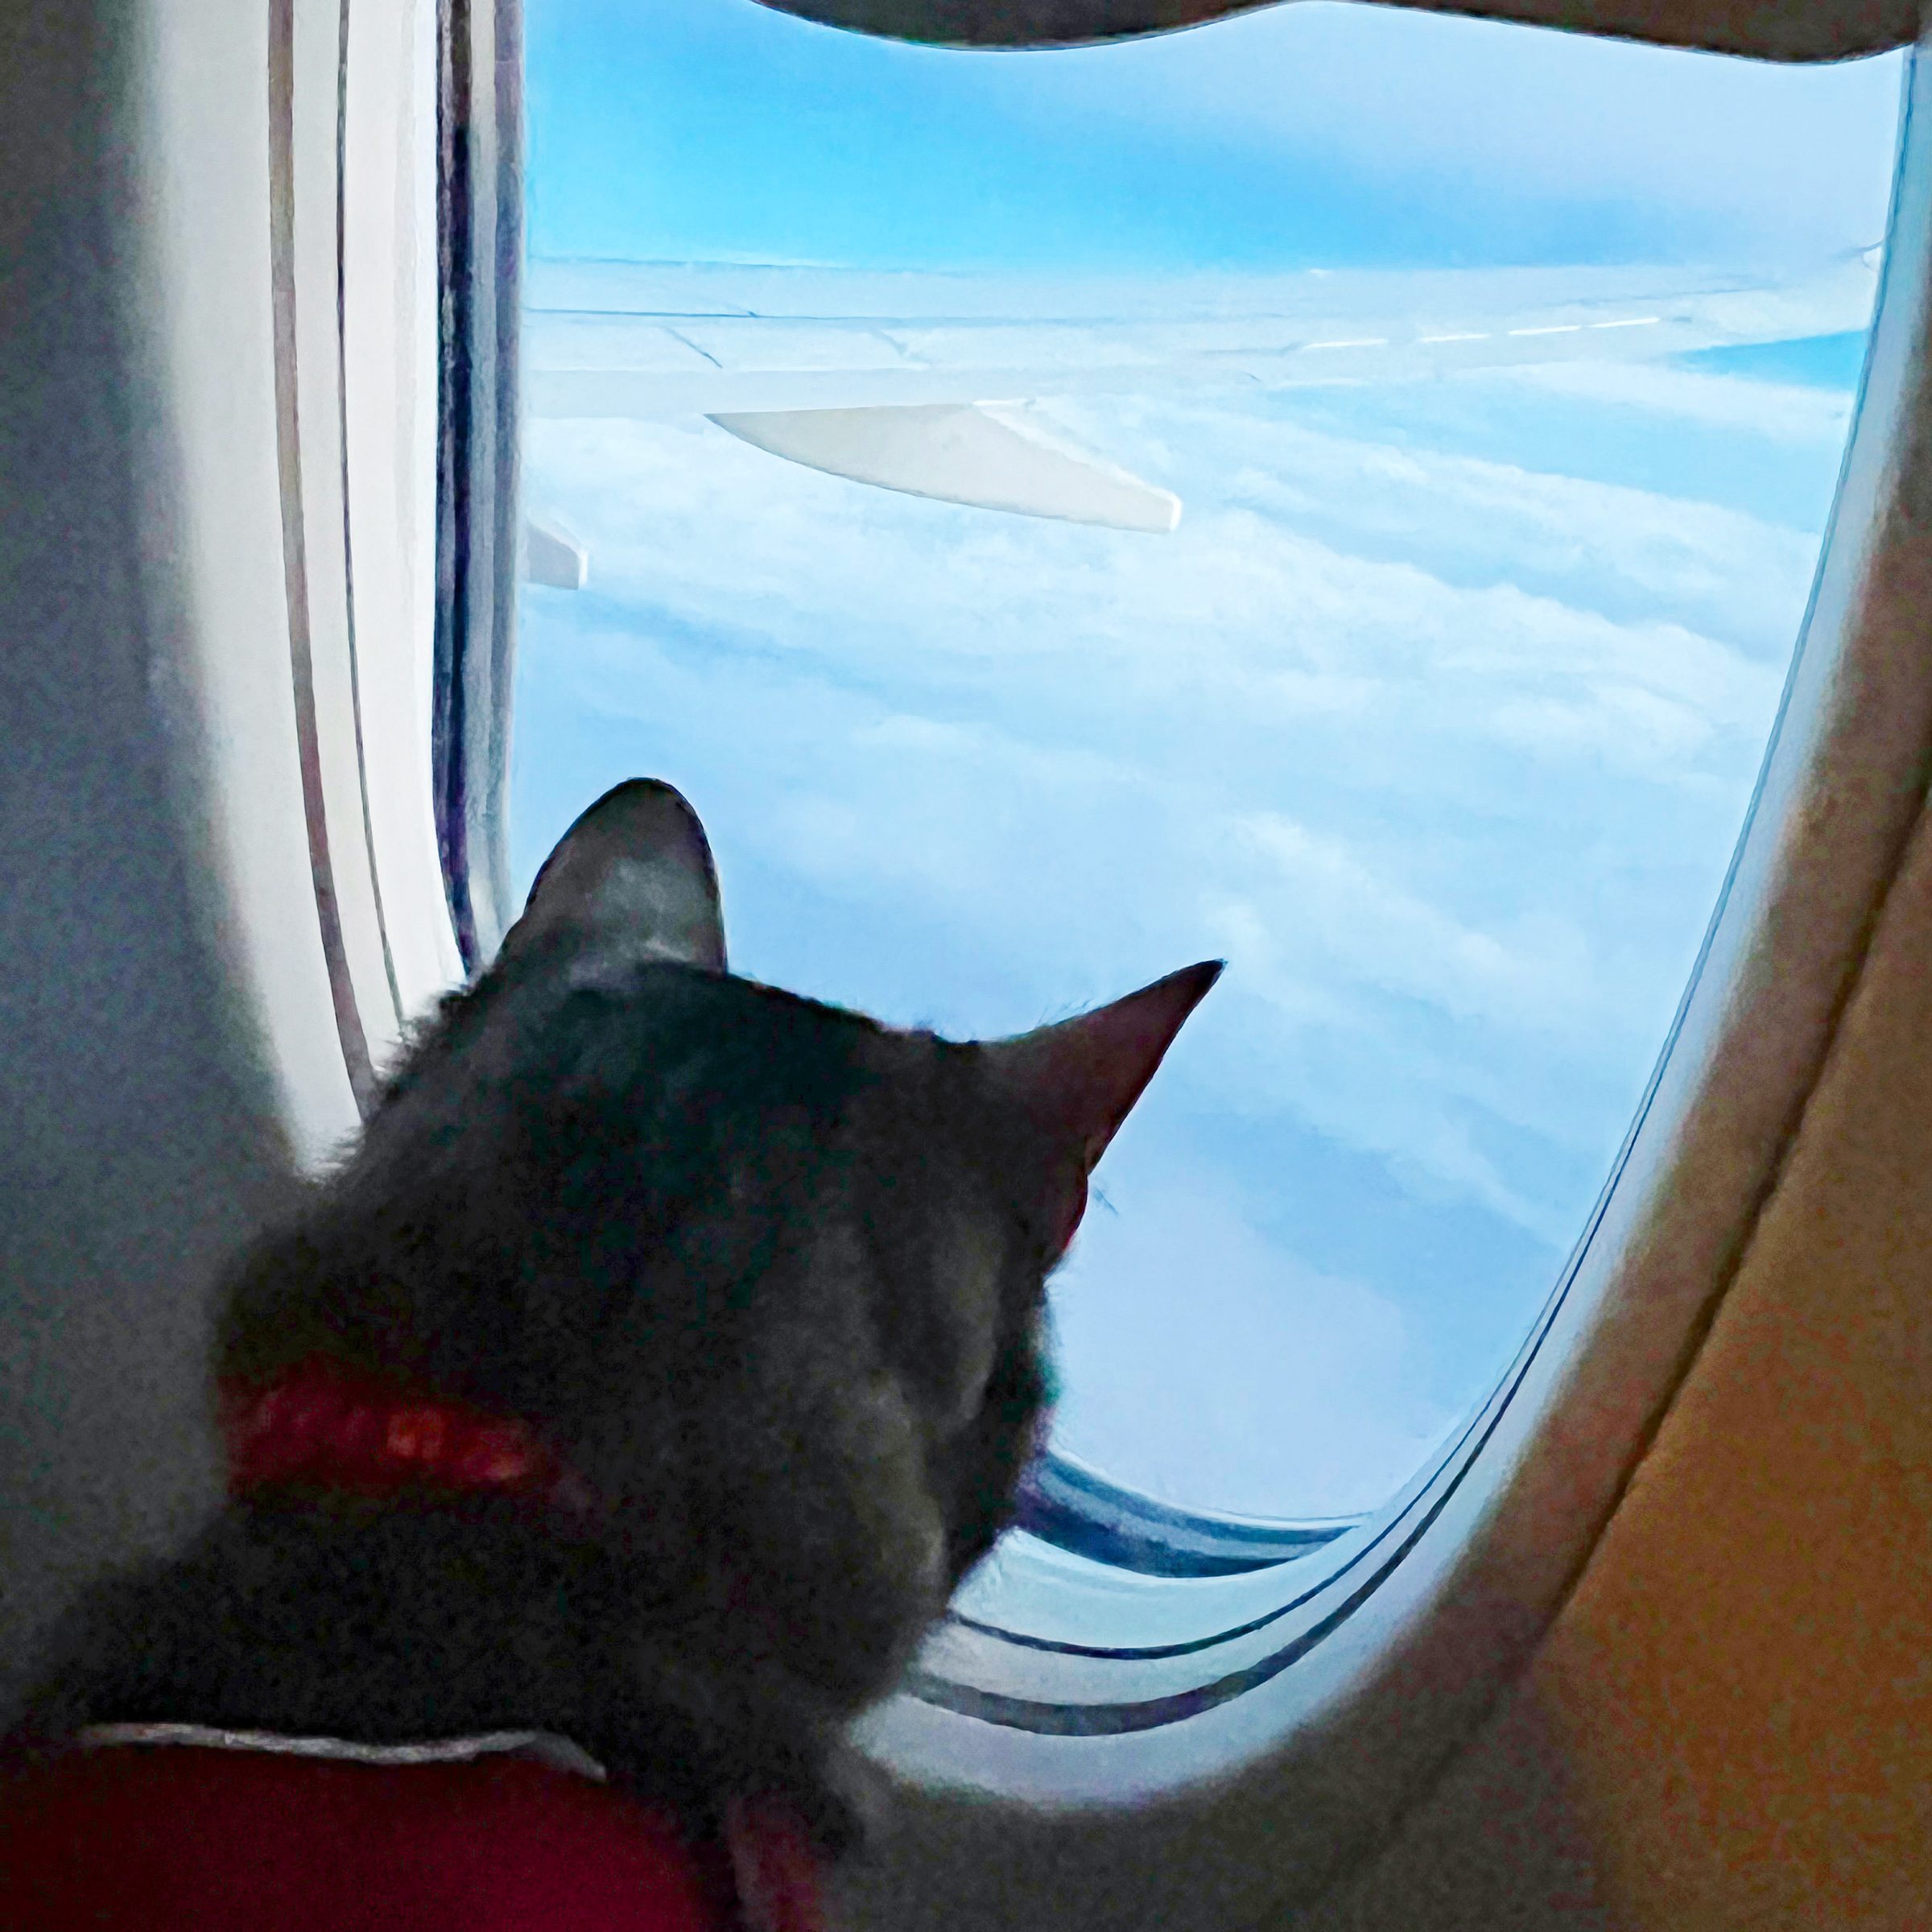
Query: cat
x,y
758,1282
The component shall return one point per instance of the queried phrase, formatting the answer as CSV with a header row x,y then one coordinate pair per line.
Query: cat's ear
x,y
1080,1078
636,866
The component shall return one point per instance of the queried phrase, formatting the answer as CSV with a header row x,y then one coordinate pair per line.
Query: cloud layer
x,y
1445,751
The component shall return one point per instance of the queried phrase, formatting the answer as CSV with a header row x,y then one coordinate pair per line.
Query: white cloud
x,y
1446,755
1540,977
1273,726
1783,412
1315,1408
1580,537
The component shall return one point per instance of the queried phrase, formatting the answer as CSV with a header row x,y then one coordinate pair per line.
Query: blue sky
x,y
1437,716
1305,135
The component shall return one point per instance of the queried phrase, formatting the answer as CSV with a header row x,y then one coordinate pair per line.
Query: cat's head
x,y
767,1276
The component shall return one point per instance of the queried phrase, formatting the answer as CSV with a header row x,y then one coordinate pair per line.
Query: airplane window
x,y
1335,489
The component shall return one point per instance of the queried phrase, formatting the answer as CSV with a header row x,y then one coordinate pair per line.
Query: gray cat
x,y
759,1283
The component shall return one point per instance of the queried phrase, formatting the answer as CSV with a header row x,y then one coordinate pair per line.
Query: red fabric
x,y
165,1838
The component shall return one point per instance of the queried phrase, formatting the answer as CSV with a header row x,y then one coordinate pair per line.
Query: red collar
x,y
323,1424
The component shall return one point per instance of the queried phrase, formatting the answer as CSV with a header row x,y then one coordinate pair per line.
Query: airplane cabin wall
x,y
140,1135
1730,1722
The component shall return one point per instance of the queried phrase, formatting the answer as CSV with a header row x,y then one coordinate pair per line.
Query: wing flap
x,y
975,454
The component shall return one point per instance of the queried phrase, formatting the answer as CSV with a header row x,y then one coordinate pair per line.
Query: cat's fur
x,y
767,1276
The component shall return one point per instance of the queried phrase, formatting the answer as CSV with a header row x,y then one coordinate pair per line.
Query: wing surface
x,y
619,340
794,359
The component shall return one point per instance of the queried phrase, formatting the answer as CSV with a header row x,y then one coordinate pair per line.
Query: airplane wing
x,y
898,379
